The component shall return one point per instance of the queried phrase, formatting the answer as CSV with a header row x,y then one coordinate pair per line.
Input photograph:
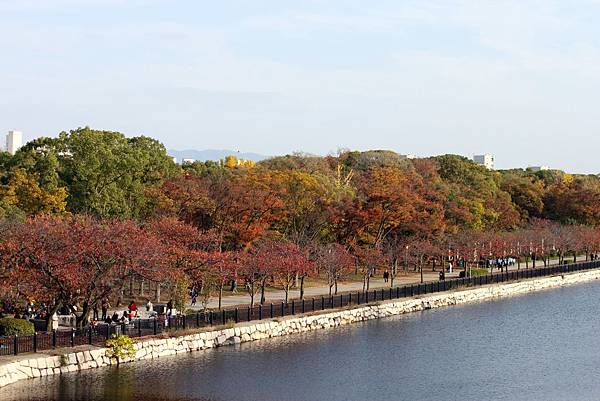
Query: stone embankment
x,y
37,365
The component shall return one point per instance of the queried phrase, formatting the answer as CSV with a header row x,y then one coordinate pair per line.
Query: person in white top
x,y
54,321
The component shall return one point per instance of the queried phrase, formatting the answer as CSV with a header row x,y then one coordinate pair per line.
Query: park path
x,y
275,296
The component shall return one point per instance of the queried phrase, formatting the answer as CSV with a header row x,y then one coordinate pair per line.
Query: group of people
x,y
30,311
500,262
125,318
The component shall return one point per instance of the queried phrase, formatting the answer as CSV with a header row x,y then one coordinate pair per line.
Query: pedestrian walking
x,y
105,306
170,307
149,306
193,295
386,276
132,309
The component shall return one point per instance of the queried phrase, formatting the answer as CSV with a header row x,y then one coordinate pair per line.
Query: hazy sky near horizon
x,y
516,78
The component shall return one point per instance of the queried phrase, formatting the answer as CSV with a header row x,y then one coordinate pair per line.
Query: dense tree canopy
x,y
132,212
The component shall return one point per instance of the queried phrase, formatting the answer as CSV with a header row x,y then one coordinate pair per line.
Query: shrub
x,y
120,347
478,272
10,327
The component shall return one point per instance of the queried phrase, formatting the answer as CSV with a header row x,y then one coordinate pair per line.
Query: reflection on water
x,y
542,346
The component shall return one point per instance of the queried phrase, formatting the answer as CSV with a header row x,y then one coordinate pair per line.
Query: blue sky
x,y
519,79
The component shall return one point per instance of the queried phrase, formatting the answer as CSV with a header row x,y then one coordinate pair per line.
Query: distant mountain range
x,y
213,154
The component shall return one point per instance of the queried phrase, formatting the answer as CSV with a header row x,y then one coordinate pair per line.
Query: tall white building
x,y
14,140
485,160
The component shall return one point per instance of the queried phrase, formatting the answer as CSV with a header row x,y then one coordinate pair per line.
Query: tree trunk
x,y
220,295
262,291
120,298
85,313
51,312
336,287
157,293
302,286
394,271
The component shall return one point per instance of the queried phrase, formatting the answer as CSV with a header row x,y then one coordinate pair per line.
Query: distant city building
x,y
14,140
408,156
535,169
485,160
187,161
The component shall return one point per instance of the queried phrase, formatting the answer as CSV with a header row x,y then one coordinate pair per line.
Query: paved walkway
x,y
376,283
276,296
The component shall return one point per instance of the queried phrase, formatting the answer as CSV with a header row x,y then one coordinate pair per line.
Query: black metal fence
x,y
144,327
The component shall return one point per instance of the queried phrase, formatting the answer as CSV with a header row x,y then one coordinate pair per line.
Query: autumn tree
x,y
79,261
336,262
287,262
368,260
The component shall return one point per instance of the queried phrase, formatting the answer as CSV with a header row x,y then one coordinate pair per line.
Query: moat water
x,y
541,346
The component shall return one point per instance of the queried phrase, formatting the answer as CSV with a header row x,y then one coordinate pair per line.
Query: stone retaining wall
x,y
38,365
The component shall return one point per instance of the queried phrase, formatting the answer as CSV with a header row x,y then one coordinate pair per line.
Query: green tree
x,y
108,174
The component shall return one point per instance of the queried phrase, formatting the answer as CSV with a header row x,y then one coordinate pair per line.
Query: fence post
x,y
313,304
35,341
210,317
358,297
153,326
73,336
260,312
293,307
237,315
282,309
303,307
16,345
349,298
54,338
272,310
197,319
249,317
322,302
224,317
